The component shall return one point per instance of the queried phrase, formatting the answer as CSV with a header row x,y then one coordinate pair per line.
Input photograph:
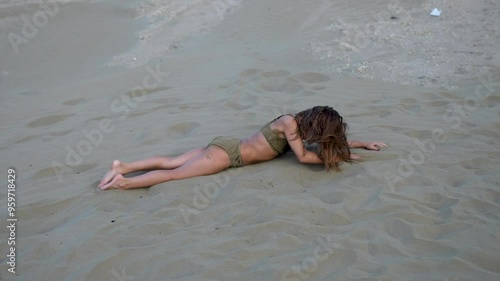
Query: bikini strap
x,y
282,116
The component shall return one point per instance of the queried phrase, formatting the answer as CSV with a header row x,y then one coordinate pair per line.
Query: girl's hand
x,y
375,145
355,156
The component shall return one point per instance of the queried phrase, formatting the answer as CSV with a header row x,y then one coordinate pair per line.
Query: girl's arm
x,y
296,144
367,145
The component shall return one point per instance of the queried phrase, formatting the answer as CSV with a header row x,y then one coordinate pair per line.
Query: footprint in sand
x,y
374,113
413,246
336,197
484,132
309,93
431,249
137,114
409,104
410,108
253,83
477,163
437,201
312,77
49,171
408,101
48,120
143,91
74,102
184,128
61,133
98,118
438,103
399,230
190,107
162,107
419,134
283,81
481,259
443,231
382,249
27,138
249,72
164,101
279,81
241,101
281,84
275,73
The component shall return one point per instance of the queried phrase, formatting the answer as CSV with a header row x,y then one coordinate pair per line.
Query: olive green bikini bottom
x,y
232,148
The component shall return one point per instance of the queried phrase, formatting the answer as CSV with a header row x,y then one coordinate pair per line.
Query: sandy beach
x,y
85,82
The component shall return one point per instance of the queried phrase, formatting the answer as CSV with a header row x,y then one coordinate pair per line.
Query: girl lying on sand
x,y
321,125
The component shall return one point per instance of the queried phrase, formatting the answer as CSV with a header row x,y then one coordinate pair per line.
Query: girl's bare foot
x,y
115,170
116,183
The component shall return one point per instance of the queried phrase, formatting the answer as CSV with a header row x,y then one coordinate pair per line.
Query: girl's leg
x,y
211,161
159,163
154,163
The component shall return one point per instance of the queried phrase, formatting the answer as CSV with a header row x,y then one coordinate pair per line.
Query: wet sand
x,y
111,80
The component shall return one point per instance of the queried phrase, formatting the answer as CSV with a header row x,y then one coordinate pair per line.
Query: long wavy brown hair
x,y
323,125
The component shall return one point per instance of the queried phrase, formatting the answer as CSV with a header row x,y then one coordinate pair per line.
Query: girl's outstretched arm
x,y
367,145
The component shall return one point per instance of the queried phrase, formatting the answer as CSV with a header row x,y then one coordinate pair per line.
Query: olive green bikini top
x,y
278,144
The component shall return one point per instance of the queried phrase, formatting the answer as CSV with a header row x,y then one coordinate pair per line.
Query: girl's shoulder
x,y
285,120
